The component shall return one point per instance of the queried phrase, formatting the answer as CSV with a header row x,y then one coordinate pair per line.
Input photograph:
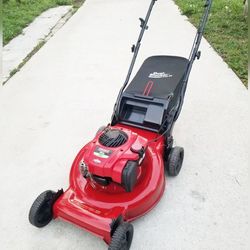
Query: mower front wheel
x,y
122,237
41,212
174,161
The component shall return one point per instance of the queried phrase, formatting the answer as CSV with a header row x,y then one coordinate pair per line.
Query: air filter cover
x,y
113,138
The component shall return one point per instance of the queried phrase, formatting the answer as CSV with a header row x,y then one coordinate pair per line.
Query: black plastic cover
x,y
165,73
129,175
152,98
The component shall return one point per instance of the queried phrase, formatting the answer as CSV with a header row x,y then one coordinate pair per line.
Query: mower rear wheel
x,y
41,210
122,237
175,160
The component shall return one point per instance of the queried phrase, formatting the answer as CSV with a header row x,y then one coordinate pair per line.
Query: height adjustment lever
x,y
198,55
133,48
142,23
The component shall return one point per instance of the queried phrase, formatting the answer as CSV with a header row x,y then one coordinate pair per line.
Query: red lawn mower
x,y
120,174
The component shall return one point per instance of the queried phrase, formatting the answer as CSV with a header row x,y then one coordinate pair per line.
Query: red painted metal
x,y
94,207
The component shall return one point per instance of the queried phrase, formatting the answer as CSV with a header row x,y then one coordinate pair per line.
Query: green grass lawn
x,y
17,14
227,31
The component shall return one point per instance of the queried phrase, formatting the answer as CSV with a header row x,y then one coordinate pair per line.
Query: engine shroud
x,y
109,152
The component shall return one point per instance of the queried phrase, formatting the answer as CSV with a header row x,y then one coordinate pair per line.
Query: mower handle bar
x,y
194,54
135,50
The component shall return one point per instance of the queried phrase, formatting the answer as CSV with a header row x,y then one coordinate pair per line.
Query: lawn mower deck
x,y
100,207
120,174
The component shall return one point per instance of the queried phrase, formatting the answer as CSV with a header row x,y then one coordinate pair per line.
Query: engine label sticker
x,y
102,152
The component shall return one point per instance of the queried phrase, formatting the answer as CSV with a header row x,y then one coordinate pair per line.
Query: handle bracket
x,y
143,23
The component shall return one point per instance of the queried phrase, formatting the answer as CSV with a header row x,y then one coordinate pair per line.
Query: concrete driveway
x,y
55,104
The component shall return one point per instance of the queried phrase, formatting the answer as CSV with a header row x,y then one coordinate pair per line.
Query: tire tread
x,y
39,201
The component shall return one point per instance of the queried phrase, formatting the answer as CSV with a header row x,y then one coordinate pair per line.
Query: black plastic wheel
x,y
41,210
122,237
175,160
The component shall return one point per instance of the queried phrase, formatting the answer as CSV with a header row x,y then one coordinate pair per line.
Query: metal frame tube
x,y
195,53
135,50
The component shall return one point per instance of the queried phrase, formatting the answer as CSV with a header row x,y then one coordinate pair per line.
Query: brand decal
x,y
84,206
102,152
157,75
97,161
